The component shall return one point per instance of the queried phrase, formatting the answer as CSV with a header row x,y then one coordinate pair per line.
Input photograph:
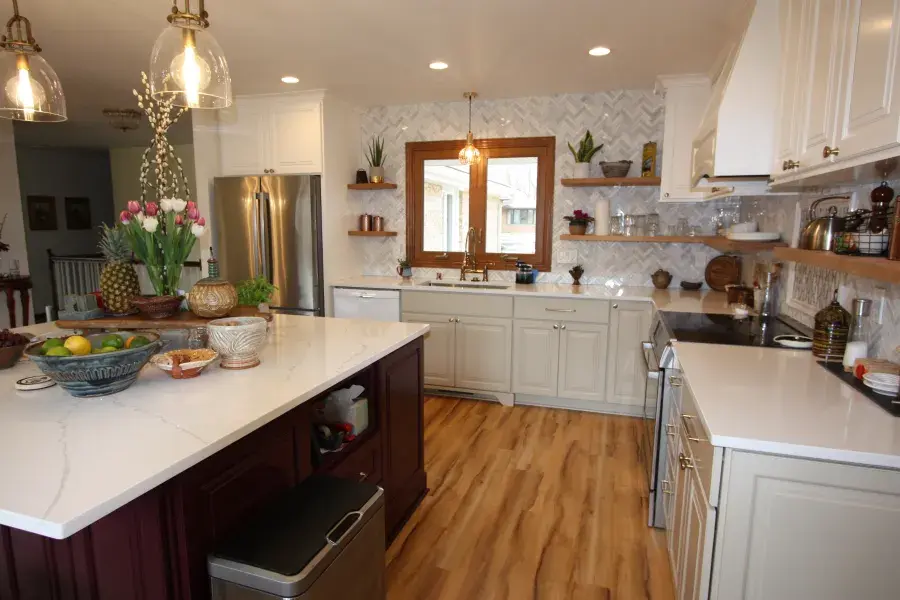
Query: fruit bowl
x,y
238,340
97,374
12,345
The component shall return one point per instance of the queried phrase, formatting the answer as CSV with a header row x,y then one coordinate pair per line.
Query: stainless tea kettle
x,y
821,233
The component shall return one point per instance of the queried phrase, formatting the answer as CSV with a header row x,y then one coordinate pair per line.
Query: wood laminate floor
x,y
529,503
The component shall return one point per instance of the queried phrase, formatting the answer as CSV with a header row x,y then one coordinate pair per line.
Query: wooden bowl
x,y
10,355
184,364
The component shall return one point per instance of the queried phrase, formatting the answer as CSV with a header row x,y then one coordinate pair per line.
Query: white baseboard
x,y
580,405
503,398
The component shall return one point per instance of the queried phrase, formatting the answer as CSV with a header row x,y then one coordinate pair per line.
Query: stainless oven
x,y
659,357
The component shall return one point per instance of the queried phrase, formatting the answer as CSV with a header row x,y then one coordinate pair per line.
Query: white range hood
x,y
735,145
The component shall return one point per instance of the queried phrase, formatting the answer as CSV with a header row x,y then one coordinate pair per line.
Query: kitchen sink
x,y
477,285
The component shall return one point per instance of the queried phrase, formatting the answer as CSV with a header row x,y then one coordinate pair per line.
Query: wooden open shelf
x,y
722,244
612,181
372,186
372,233
869,267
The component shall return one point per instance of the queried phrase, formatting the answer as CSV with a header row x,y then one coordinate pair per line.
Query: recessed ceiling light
x,y
599,51
438,65
290,79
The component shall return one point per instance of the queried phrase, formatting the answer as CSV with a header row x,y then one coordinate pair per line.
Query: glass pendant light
x,y
31,90
187,62
469,155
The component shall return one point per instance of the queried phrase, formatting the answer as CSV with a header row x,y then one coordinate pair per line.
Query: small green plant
x,y
255,291
403,262
375,154
586,149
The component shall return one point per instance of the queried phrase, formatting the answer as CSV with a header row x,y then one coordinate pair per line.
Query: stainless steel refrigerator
x,y
270,226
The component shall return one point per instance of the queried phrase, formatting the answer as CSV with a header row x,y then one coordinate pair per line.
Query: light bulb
x,y
23,91
469,155
191,72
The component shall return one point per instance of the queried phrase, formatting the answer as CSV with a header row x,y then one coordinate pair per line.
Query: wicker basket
x,y
615,169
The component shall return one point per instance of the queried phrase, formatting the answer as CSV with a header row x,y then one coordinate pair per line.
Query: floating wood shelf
x,y
868,267
372,186
372,233
722,244
612,181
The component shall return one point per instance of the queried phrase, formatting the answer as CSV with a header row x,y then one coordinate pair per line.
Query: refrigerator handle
x,y
257,235
264,237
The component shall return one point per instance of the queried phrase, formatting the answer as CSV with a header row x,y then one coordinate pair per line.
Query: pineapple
x,y
118,279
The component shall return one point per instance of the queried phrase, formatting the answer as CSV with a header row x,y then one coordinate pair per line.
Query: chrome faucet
x,y
470,265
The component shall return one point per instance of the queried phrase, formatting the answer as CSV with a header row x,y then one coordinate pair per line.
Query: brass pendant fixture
x,y
188,63
470,155
31,89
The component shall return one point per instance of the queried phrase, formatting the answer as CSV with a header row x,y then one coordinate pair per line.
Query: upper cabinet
x,y
686,100
840,100
272,134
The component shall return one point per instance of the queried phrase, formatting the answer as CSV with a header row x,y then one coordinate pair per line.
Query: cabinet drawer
x,y
562,309
696,444
363,464
457,304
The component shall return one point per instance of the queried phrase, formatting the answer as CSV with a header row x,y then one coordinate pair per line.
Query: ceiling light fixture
x,y
438,65
31,89
123,119
188,63
470,155
599,51
289,79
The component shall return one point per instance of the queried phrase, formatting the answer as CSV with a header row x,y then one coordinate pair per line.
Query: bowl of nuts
x,y
12,345
184,364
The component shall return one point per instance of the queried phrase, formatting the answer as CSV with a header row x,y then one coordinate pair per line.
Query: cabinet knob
x,y
555,326
457,319
271,170
667,487
791,164
615,306
670,430
563,327
675,381
363,475
666,194
684,462
452,320
829,151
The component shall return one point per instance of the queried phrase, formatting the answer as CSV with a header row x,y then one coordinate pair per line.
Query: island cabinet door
x,y
402,402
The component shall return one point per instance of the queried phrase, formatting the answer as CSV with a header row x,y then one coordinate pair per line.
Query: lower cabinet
x,y
629,326
440,348
535,357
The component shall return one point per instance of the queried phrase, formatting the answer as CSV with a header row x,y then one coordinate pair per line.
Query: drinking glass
x,y
682,227
617,225
630,223
653,224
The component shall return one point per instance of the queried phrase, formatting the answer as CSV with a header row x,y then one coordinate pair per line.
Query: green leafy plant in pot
x,y
255,292
375,156
583,155
404,269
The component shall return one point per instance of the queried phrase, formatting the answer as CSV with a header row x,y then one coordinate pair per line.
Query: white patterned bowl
x,y
238,340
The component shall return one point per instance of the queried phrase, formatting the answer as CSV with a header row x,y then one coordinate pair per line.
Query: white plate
x,y
892,394
884,389
759,236
882,378
789,341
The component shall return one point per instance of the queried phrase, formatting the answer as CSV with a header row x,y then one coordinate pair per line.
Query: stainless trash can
x,y
322,540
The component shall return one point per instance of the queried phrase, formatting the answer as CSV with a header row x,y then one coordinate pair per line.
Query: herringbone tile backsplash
x,y
622,120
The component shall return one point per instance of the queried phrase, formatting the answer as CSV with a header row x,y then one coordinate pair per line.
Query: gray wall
x,y
62,172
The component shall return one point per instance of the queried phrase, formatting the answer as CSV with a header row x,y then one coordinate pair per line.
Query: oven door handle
x,y
645,348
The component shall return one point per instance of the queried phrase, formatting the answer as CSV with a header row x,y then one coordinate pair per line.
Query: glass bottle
x,y
858,340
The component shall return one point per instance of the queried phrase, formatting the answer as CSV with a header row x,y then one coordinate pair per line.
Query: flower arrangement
x,y
164,224
579,217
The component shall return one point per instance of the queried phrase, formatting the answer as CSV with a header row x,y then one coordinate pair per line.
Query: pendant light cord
x,y
470,112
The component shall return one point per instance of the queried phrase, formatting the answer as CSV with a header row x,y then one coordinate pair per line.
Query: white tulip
x,y
150,224
172,204
198,230
139,217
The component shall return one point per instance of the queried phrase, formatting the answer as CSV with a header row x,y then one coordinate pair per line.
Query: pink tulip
x,y
125,217
193,212
191,204
134,207
151,209
179,219
201,222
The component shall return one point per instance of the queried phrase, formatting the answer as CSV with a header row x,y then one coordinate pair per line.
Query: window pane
x,y
511,205
446,212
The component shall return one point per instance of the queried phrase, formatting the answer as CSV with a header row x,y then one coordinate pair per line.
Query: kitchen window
x,y
507,198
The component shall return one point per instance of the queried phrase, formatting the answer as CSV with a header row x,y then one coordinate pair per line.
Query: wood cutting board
x,y
181,320
723,270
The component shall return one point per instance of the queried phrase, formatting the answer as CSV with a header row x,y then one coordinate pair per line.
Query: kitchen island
x,y
123,496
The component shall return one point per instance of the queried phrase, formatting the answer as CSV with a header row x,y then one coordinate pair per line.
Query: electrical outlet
x,y
567,257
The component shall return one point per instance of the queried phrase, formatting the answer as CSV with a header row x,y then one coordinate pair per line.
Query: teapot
x,y
661,279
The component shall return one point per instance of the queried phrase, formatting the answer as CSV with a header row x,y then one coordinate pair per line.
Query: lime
x,y
50,343
136,341
59,351
106,350
112,341
78,345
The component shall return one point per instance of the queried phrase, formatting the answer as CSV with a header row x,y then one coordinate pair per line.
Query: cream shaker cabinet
x,y
686,100
440,348
483,353
535,357
791,23
279,135
582,361
627,377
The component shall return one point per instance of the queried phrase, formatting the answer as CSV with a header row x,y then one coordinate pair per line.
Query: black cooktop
x,y
728,330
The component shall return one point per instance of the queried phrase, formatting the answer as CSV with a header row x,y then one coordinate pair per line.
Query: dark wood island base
x,y
155,547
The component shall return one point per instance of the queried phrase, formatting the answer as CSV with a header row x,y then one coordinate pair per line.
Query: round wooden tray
x,y
723,270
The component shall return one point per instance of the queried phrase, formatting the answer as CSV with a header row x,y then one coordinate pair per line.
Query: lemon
x,y
106,350
112,341
59,351
50,343
78,345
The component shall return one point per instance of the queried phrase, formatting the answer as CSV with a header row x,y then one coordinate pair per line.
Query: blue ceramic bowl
x,y
96,374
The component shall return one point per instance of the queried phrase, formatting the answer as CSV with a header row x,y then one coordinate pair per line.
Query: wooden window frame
x,y
544,148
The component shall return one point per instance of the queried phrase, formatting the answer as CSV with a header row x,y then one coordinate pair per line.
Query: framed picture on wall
x,y
42,213
78,213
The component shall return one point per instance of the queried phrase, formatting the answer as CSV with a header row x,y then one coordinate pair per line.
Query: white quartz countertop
x,y
782,402
676,300
68,461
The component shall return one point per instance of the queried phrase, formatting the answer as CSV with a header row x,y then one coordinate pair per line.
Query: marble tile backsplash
x,y
622,120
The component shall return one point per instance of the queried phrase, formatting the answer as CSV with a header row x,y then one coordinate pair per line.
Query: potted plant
x,y
256,292
576,272
404,269
583,155
376,157
578,222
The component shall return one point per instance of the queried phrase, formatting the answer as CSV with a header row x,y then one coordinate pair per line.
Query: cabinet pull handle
x,y
670,430
675,381
363,475
563,310
366,296
684,462
791,164
555,326
687,430
665,487
829,151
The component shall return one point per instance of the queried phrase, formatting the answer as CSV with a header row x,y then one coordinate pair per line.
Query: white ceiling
x,y
374,53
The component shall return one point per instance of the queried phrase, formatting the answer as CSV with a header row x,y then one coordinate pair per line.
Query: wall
x,y
125,164
62,172
11,206
622,120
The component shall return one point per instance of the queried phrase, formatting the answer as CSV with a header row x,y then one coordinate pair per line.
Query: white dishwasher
x,y
374,305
